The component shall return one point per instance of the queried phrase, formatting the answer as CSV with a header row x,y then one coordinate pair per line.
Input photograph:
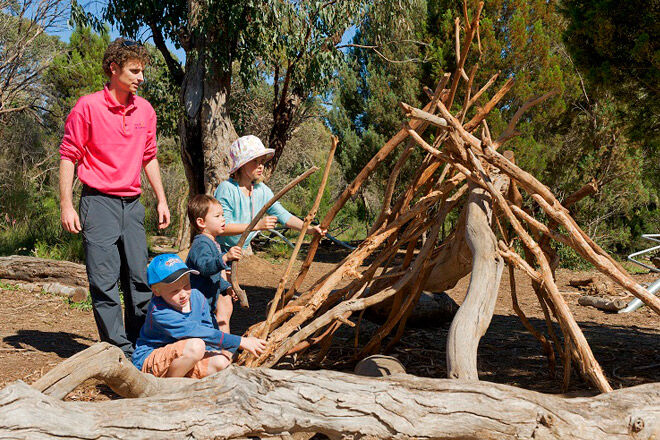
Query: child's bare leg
x,y
193,352
216,362
223,310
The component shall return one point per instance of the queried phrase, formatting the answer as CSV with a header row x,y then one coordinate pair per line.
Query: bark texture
x,y
206,130
474,315
42,270
242,402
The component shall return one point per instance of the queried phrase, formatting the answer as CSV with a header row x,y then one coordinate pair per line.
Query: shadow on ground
x,y
63,344
508,354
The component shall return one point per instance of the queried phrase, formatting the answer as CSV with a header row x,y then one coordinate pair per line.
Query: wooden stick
x,y
308,220
347,269
357,183
547,347
481,91
566,320
234,265
510,130
469,35
415,271
386,209
483,112
468,92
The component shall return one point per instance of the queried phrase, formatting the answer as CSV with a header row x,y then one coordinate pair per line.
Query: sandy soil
x,y
40,330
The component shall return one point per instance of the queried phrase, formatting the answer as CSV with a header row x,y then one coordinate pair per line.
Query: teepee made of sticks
x,y
463,169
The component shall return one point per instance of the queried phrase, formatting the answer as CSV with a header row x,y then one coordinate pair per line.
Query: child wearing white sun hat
x,y
243,195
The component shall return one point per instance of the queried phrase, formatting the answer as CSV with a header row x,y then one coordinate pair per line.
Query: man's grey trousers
x,y
116,253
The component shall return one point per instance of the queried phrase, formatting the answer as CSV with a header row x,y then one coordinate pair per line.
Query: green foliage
x,y
364,114
616,43
85,305
25,52
75,72
176,190
162,92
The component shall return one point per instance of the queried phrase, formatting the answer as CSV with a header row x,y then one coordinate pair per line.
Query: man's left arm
x,y
152,170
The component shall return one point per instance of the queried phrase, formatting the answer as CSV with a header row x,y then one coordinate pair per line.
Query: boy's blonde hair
x,y
198,207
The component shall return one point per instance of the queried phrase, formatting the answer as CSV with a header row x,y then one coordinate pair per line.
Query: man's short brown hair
x,y
198,207
122,50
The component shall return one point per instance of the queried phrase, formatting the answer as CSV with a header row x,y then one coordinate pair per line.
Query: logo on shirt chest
x,y
139,126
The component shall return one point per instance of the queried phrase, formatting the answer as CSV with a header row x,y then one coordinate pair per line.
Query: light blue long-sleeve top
x,y
239,208
165,325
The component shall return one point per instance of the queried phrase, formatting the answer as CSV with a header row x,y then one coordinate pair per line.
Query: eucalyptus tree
x,y
26,50
289,42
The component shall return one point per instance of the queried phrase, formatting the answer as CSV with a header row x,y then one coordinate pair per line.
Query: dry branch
x,y
234,265
308,220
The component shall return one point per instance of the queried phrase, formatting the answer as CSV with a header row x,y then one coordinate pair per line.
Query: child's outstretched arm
x,y
267,222
295,223
254,345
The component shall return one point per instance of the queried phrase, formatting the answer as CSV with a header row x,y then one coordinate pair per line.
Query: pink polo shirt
x,y
110,142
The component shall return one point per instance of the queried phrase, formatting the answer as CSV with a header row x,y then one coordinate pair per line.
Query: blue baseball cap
x,y
167,268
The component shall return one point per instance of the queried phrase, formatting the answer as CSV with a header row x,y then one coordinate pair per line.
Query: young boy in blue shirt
x,y
207,258
178,338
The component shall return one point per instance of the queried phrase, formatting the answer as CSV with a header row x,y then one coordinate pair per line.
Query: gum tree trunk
x,y
206,130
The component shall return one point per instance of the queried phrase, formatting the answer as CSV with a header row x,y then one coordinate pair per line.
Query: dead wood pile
x,y
463,170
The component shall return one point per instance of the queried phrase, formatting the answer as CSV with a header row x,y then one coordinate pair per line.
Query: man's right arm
x,y
68,215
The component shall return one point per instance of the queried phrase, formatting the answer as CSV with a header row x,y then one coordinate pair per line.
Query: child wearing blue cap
x,y
178,338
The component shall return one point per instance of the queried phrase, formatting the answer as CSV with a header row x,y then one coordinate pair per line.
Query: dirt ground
x,y
40,330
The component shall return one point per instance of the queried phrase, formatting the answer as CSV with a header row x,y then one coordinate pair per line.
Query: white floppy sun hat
x,y
245,149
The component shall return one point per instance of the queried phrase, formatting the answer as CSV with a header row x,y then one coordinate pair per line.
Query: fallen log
x,y
241,402
607,304
74,293
32,269
432,309
58,277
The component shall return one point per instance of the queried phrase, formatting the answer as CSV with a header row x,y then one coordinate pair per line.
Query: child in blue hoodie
x,y
207,257
178,338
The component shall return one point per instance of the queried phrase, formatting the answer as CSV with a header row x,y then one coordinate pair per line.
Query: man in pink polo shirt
x,y
111,136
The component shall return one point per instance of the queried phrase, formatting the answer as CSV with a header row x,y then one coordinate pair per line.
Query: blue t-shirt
x,y
239,208
165,325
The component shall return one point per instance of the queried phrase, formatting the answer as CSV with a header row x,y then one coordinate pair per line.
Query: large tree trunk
x,y
206,130
280,132
474,315
241,402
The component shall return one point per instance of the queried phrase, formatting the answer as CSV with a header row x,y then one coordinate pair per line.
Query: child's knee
x,y
218,362
195,348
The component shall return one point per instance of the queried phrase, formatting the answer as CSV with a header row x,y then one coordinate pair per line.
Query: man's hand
x,y
267,222
254,345
163,215
70,220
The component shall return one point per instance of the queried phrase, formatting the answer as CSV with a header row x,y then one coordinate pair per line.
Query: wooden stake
x,y
234,265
